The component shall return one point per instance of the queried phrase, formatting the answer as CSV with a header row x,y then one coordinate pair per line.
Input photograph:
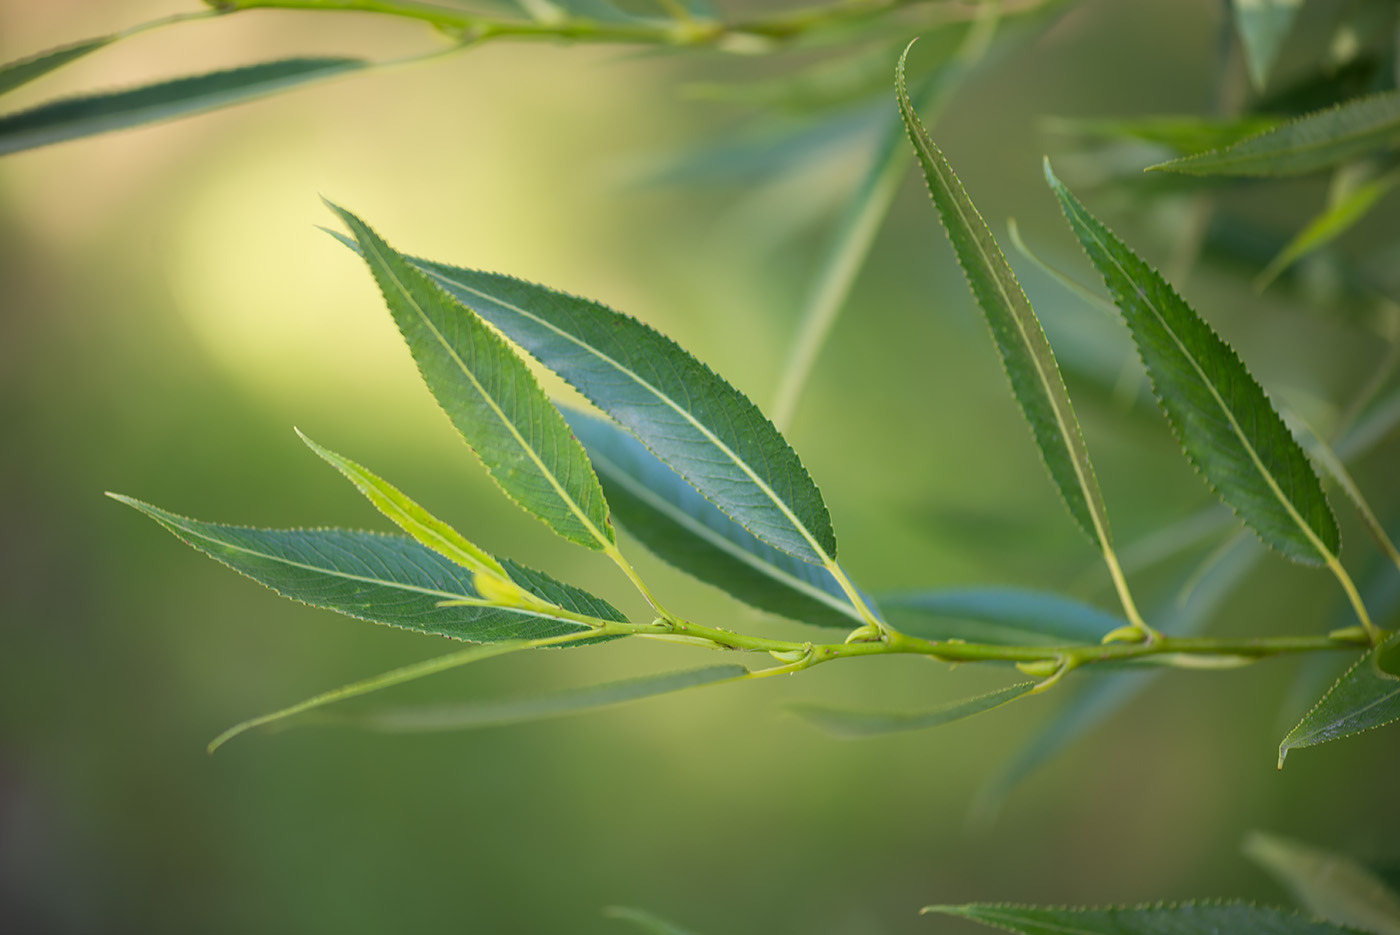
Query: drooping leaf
x,y
1319,140
488,392
409,516
646,921
1025,352
22,71
845,723
384,579
1327,884
677,523
1333,466
684,412
1091,701
1161,919
1367,696
76,117
1225,423
997,615
1263,26
1186,134
494,713
1326,227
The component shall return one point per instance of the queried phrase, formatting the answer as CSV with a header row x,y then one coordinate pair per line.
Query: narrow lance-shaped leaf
x,y
1020,340
384,579
13,74
498,712
1220,414
76,117
644,921
1367,696
997,615
491,397
1338,218
677,523
1162,919
842,722
1327,884
685,413
1187,134
1318,140
1263,26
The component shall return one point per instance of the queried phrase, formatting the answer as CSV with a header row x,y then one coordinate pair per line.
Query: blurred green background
x,y
170,311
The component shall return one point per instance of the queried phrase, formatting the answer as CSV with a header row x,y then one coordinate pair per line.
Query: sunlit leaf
x,y
842,722
76,117
677,523
1326,227
997,615
1025,352
1225,423
385,579
1161,919
488,392
1367,696
1315,141
686,414
1263,26
1327,884
494,713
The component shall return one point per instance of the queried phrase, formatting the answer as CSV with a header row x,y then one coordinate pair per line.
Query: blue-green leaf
x,y
685,413
76,117
1221,416
841,722
673,520
495,713
1327,884
1263,26
385,579
1029,361
1236,918
997,615
488,392
1319,140
22,71
1367,696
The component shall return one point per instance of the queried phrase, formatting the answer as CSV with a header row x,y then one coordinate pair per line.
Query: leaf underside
x,y
24,70
385,579
1367,696
1263,26
841,722
488,392
1220,414
76,117
1327,884
1025,352
997,615
1162,919
677,523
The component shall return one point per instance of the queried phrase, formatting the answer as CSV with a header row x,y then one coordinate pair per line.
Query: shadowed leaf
x,y
1162,919
1263,26
1327,884
841,722
997,615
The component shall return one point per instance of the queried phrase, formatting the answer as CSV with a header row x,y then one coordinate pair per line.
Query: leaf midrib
x,y
1301,148
633,375
490,401
700,530
1322,550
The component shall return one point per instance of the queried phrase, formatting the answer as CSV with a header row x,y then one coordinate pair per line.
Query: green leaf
x,y
997,615
686,414
840,722
645,921
1319,140
1263,26
1025,352
409,516
1219,413
1161,919
677,523
1327,884
1187,134
472,715
13,74
384,579
76,117
488,392
1337,219
1367,696
1333,466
